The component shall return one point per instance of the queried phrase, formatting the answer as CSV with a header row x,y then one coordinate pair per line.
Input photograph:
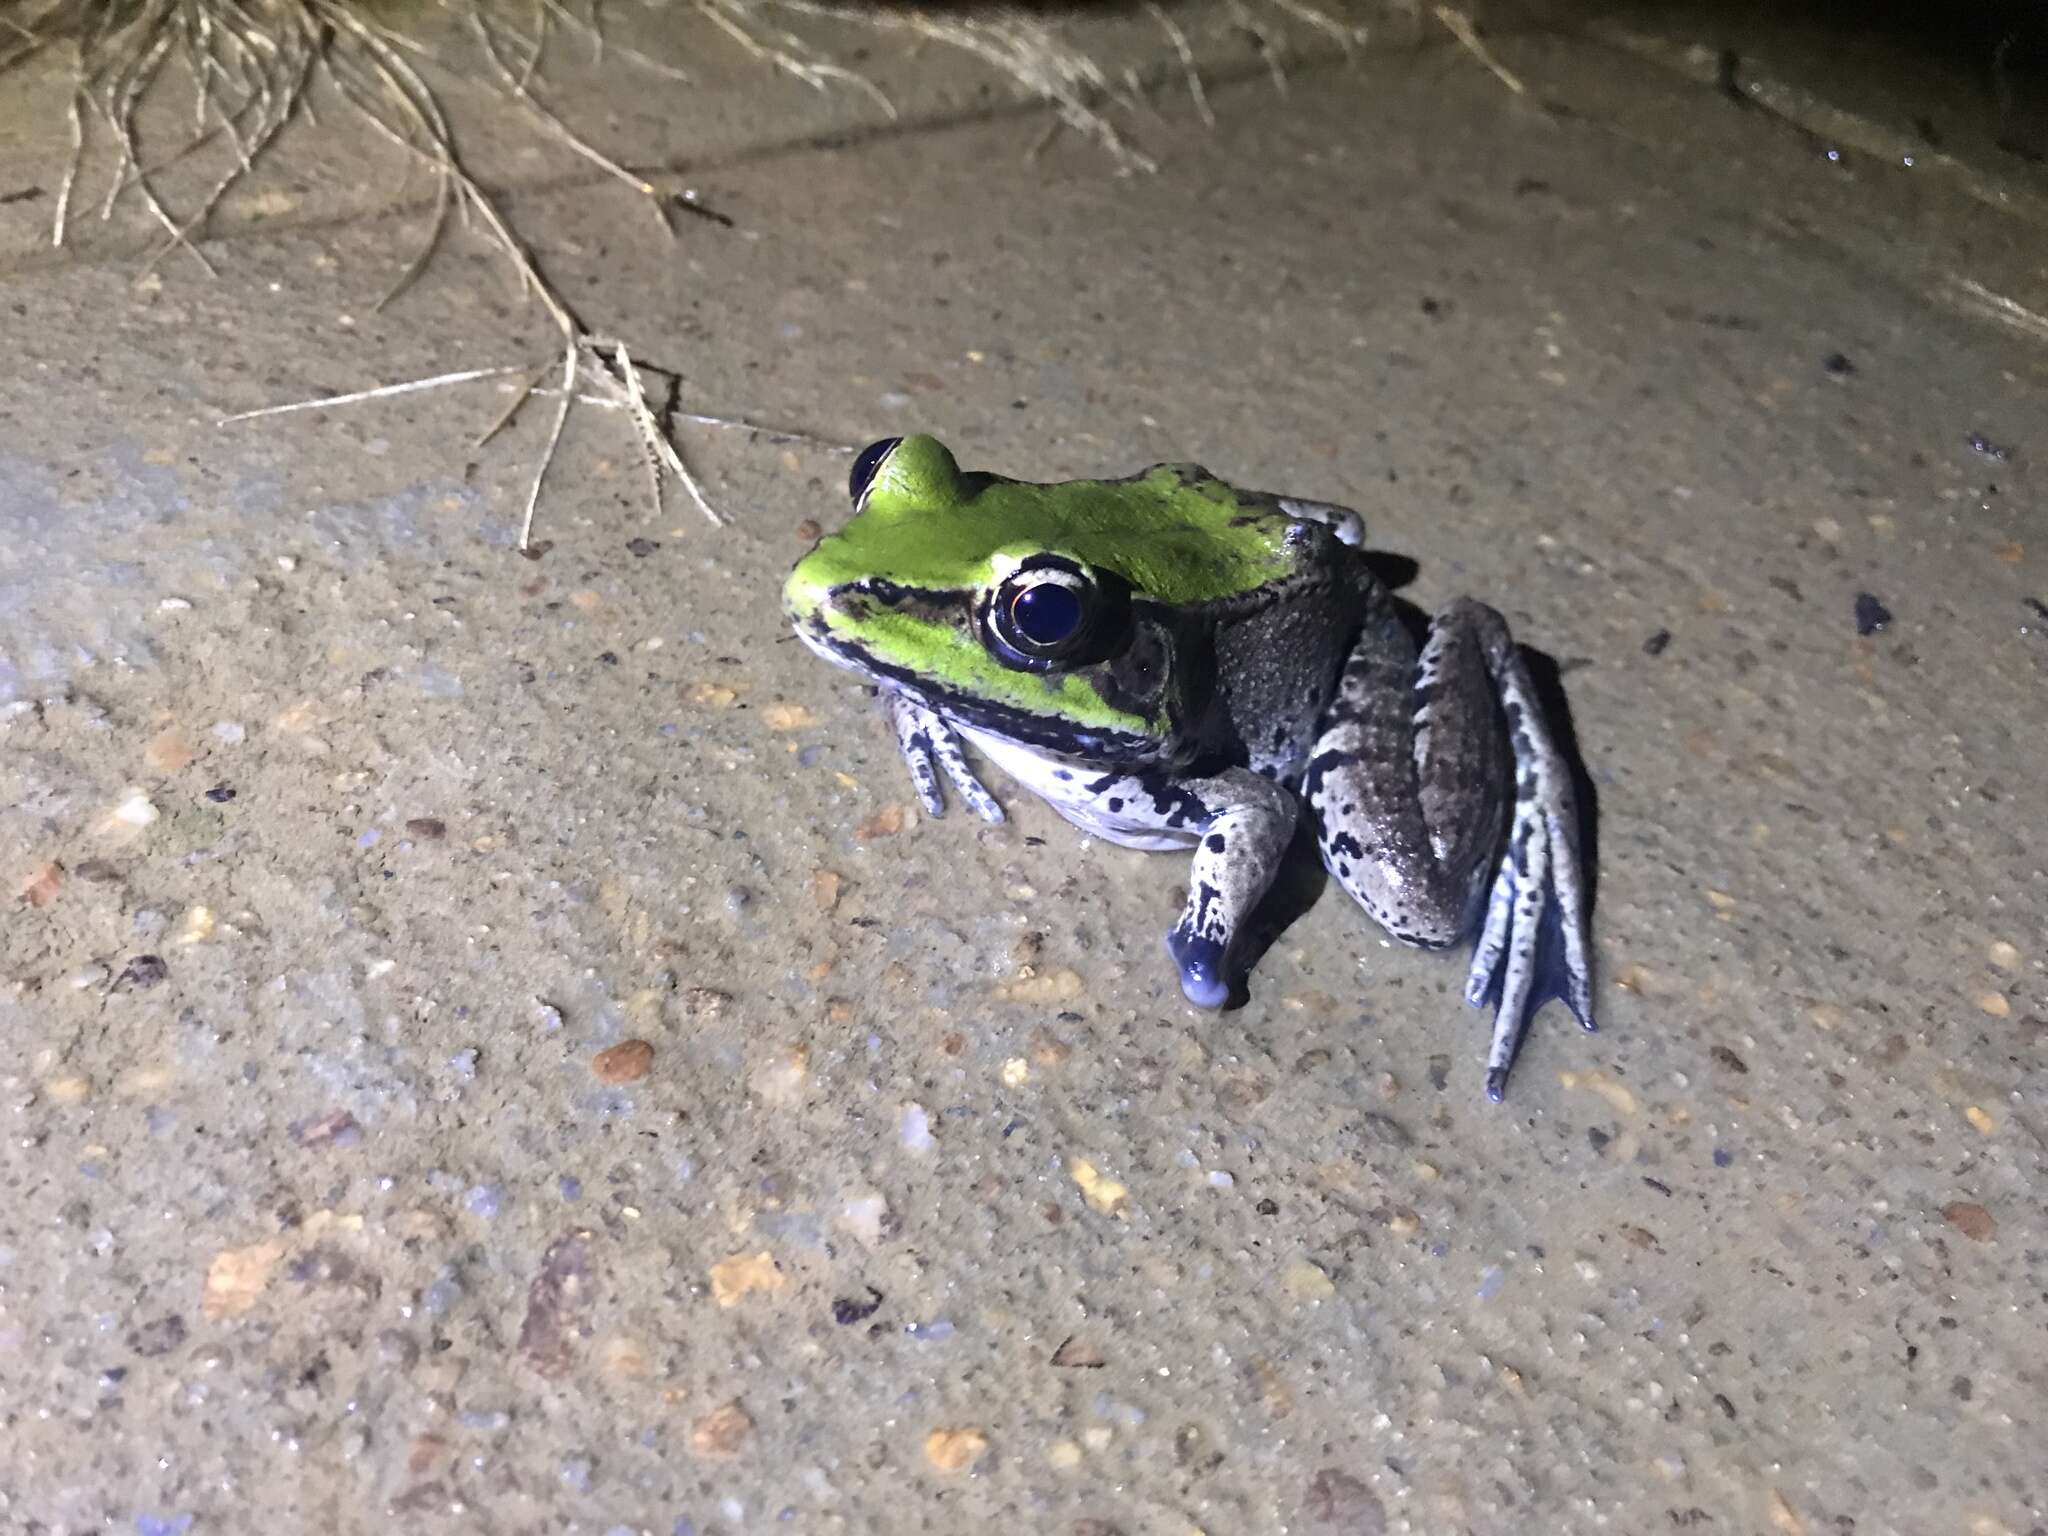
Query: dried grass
x,y
253,67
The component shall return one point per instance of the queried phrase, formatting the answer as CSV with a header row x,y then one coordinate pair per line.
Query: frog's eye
x,y
866,467
1042,613
1046,614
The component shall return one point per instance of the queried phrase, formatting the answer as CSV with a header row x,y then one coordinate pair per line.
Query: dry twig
x,y
257,66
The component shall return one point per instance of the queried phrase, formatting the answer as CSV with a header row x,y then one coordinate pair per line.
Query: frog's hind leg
x,y
1532,946
1412,781
1346,524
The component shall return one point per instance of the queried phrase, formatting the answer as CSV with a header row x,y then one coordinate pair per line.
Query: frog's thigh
x,y
1411,777
1247,826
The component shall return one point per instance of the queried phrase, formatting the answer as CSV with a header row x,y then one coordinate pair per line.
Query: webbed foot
x,y
1532,947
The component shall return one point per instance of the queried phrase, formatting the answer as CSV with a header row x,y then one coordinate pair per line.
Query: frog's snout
x,y
806,593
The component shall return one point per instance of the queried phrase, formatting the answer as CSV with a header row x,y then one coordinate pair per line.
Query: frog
x,y
1174,663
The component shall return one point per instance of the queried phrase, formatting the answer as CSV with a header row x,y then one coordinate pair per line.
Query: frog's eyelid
x,y
1047,575
1043,563
867,467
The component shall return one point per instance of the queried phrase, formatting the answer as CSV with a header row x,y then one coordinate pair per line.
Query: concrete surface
x,y
342,843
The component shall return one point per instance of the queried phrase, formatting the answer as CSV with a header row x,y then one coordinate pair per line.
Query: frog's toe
x,y
926,783
929,745
969,787
1532,946
1201,961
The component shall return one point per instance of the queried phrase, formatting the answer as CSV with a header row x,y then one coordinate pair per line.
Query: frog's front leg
x,y
1245,824
1420,764
925,739
1238,824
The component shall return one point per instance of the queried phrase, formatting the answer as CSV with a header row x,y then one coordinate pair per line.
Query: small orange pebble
x,y
167,752
734,1279
236,1277
623,1358
721,1432
1049,1050
1785,1517
1970,1219
626,1062
426,1450
886,822
954,1450
43,883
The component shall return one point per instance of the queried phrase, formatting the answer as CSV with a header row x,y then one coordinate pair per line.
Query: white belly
x,y
1119,811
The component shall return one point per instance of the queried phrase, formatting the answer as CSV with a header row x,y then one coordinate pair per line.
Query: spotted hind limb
x,y
1439,795
1245,830
1533,945
925,740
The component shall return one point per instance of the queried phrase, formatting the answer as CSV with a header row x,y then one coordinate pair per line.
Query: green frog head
x,y
1069,617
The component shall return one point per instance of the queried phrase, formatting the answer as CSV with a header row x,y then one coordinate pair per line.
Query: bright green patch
x,y
1175,540
938,655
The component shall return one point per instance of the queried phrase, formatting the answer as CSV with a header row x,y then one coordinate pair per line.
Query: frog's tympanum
x,y
1173,662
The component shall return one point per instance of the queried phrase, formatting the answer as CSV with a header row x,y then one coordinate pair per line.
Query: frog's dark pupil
x,y
1046,613
865,466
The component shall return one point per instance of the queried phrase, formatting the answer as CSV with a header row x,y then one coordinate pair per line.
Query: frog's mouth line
x,y
1044,732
